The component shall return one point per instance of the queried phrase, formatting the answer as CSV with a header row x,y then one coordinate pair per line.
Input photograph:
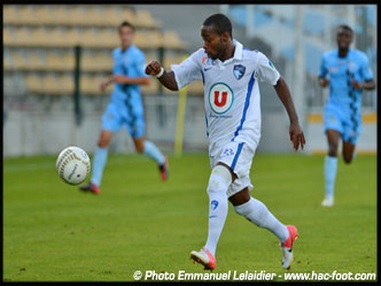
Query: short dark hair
x,y
345,27
220,22
126,24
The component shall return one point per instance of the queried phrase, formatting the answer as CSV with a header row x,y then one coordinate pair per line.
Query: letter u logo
x,y
220,100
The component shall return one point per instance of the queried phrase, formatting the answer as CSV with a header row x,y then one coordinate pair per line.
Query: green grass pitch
x,y
53,232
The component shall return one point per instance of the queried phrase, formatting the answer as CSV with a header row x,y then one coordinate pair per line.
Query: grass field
x,y
53,232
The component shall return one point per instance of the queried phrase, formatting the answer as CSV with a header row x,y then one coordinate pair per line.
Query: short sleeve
x,y
140,62
266,71
365,69
188,70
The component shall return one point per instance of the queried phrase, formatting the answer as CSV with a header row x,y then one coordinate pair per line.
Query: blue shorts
x,y
348,124
117,115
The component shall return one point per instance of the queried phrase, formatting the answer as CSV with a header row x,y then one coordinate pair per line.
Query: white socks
x,y
219,181
256,212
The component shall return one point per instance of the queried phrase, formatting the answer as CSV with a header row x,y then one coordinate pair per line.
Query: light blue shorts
x,y
347,123
117,115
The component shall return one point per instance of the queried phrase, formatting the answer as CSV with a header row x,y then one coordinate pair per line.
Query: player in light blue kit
x,y
347,73
125,108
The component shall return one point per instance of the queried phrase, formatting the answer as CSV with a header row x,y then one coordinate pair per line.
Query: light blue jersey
x,y
342,111
126,105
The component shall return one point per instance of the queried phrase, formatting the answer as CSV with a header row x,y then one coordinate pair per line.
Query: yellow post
x,y
180,121
180,118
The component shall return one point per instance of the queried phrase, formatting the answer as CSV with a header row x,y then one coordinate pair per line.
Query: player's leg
x,y
100,156
348,151
148,148
99,162
330,166
352,130
226,162
220,179
111,123
257,213
333,127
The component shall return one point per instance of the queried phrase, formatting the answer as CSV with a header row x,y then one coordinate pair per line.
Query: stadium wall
x,y
39,132
28,133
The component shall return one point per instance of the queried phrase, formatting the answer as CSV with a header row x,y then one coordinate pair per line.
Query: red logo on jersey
x,y
220,100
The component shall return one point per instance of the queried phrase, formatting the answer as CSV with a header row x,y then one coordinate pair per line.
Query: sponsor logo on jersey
x,y
239,71
221,98
204,59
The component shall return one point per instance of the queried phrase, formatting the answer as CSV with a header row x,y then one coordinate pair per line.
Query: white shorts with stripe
x,y
238,156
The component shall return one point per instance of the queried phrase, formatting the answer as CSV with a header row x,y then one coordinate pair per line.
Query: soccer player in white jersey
x,y
230,74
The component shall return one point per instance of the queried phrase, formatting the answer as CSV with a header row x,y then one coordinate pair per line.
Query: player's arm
x,y
322,78
323,82
366,84
167,79
296,132
122,79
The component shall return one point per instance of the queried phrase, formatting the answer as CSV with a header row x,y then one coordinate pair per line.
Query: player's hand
x,y
323,82
103,85
297,136
356,84
153,68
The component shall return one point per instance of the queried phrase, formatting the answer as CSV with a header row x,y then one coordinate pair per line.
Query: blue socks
x,y
330,170
100,160
153,152
99,163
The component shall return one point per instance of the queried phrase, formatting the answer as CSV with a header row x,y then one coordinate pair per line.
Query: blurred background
x,y
54,57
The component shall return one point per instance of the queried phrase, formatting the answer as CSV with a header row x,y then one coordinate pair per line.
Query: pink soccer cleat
x,y
164,170
204,257
287,245
91,188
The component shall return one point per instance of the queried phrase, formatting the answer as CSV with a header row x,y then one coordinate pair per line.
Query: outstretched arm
x,y
124,80
167,79
295,131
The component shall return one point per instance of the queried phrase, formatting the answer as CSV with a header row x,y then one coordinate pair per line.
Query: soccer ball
x,y
73,165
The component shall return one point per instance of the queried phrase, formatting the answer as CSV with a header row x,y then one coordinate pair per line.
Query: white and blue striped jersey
x,y
231,93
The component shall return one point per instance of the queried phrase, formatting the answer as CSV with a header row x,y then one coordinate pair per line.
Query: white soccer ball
x,y
73,165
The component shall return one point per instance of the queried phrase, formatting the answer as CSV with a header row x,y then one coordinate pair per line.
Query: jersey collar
x,y
237,53
238,50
